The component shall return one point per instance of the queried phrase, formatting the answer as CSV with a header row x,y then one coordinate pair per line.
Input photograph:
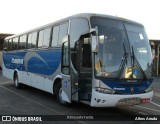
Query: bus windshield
x,y
140,46
118,38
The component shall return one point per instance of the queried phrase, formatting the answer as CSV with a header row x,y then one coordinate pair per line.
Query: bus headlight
x,y
104,90
149,89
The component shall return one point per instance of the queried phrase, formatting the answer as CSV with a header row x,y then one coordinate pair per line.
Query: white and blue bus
x,y
95,59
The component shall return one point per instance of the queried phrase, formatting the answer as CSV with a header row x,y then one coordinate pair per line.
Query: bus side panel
x,y
35,68
26,79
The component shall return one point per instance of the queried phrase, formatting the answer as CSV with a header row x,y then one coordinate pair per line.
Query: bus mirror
x,y
65,39
101,39
92,30
5,49
94,44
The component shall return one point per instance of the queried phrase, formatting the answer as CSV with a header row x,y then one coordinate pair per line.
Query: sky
x,y
17,16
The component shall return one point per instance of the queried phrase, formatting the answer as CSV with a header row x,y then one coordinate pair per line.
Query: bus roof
x,y
85,15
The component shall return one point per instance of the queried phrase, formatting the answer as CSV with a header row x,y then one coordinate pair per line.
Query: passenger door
x,y
66,81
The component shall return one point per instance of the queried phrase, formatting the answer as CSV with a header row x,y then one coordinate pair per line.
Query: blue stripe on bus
x,y
123,87
45,62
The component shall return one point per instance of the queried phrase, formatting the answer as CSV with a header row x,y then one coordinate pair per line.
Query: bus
x,y
95,59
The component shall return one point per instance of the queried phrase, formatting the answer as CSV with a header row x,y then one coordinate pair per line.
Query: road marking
x,y
82,122
147,108
6,82
142,113
155,104
29,99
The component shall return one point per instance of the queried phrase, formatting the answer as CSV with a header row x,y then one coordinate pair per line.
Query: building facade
x,y
155,46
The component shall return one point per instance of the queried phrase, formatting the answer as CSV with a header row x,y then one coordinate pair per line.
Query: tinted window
x,y
5,45
55,36
29,43
46,39
40,38
15,44
10,45
62,33
22,42
65,59
78,27
34,39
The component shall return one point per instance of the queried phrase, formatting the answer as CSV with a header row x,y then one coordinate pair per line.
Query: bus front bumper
x,y
113,100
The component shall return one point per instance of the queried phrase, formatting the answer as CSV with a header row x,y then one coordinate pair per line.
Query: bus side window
x,y
34,39
24,42
55,36
15,43
63,32
46,38
10,45
20,42
79,26
5,45
40,38
29,43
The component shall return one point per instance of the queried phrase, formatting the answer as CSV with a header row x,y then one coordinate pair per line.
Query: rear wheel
x,y
16,81
58,95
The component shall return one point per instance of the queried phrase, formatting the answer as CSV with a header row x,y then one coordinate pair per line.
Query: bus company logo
x,y
17,61
6,118
117,88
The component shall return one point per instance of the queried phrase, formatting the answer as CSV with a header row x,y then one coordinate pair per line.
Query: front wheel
x,y
59,97
16,81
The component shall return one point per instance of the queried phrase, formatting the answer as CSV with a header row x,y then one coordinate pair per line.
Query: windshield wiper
x,y
135,61
123,62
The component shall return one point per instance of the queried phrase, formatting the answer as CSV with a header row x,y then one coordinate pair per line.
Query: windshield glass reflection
x,y
116,38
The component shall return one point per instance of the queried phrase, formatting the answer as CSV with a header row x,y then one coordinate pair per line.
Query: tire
x,y
58,95
16,81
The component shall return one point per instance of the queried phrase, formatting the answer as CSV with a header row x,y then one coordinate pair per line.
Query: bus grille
x,y
129,101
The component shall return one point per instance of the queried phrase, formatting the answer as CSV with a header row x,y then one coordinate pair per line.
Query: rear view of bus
x,y
122,63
